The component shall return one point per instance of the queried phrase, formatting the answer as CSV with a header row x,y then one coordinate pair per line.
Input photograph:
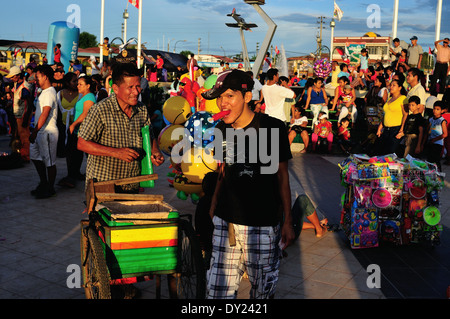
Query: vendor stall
x,y
388,199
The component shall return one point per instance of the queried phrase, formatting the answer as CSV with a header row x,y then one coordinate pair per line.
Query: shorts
x,y
44,148
298,129
302,208
256,251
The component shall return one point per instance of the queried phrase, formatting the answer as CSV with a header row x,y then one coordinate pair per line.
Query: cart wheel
x,y
93,265
189,282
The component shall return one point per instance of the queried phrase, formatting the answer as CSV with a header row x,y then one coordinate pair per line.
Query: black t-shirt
x,y
250,192
413,122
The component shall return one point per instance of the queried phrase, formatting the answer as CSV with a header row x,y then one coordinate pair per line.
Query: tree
x,y
87,40
186,53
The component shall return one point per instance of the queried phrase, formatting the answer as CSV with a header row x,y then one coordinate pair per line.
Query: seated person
x,y
298,125
414,127
322,130
344,135
304,208
346,104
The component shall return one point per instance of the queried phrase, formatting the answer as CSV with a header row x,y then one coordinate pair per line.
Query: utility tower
x,y
321,21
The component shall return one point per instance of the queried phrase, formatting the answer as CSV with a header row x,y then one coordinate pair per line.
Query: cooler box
x,y
138,237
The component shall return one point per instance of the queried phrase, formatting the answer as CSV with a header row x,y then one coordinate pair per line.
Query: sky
x,y
169,22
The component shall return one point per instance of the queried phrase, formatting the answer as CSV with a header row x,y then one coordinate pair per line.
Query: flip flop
x,y
333,228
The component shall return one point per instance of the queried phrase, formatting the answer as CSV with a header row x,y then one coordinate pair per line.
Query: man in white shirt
x,y
44,138
416,88
267,63
395,52
275,95
257,96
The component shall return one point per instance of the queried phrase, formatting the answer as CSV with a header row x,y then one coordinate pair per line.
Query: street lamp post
x,y
332,26
175,45
126,15
168,44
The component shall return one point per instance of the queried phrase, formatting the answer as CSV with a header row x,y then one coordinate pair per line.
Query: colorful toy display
x,y
322,68
187,110
388,199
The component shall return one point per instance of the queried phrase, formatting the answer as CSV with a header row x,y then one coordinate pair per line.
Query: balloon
x,y
200,127
210,82
165,139
322,68
176,110
211,106
199,93
184,76
197,163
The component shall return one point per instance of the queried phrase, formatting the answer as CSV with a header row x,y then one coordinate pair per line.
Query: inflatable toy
x,y
167,139
197,163
211,106
210,82
176,110
185,188
66,34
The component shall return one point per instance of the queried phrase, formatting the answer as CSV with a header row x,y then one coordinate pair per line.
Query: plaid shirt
x,y
108,125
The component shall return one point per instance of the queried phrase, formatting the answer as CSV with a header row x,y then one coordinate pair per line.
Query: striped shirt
x,y
108,125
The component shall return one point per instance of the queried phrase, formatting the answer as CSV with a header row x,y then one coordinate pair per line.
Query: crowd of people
x,y
251,211
409,122
42,108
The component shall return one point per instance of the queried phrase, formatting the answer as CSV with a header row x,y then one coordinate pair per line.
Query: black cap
x,y
230,79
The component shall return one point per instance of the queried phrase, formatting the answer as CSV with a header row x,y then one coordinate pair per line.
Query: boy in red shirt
x,y
159,66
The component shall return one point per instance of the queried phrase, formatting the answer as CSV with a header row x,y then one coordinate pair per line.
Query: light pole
x,y
438,20
175,45
224,54
168,44
126,15
332,26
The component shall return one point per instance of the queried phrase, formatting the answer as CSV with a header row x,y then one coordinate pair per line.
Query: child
x,y
402,59
446,116
344,136
323,130
413,128
298,126
344,71
347,104
437,132
364,65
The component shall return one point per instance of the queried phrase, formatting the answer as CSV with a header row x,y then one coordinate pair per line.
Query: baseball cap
x,y
414,38
13,71
230,79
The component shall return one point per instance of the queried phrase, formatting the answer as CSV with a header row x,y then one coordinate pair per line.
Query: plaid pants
x,y
256,251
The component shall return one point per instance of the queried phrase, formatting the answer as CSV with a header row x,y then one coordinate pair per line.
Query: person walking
x,y
251,204
44,138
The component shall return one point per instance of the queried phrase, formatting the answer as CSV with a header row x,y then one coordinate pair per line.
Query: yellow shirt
x,y
393,113
334,77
